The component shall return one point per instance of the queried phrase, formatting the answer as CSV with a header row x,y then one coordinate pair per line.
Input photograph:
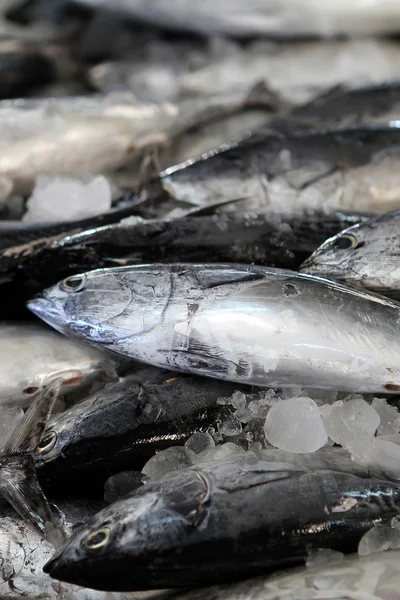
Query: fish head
x,y
352,254
123,546
106,306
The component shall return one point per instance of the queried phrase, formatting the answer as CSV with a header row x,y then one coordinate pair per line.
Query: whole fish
x,y
276,18
352,577
254,325
222,520
365,255
32,355
271,239
24,552
353,168
124,425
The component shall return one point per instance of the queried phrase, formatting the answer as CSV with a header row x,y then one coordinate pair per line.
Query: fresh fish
x,y
271,239
365,255
354,168
220,521
122,426
33,355
353,577
276,18
24,552
254,325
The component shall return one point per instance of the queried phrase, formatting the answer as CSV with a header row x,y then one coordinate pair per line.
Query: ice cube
x,y
378,455
66,199
199,442
389,415
295,425
349,421
293,392
166,461
378,539
123,483
259,408
321,396
219,452
9,419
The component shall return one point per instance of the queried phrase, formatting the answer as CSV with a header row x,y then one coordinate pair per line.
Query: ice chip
x,y
379,455
219,452
389,415
123,483
230,425
199,442
166,461
259,408
238,400
348,421
321,556
379,539
295,425
9,419
66,199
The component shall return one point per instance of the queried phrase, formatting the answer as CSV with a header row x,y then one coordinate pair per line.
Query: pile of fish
x,y
199,300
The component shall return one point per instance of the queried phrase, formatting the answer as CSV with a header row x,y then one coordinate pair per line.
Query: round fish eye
x,y
75,283
97,539
47,442
345,242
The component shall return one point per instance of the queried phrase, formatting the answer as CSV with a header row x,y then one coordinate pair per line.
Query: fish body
x,y
348,168
366,255
33,355
122,426
276,18
373,576
253,325
220,521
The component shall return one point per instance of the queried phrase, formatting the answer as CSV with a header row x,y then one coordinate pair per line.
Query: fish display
x,y
123,425
279,18
353,576
44,355
233,322
222,520
365,255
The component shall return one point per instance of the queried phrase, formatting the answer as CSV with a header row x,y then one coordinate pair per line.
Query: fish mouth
x,y
46,310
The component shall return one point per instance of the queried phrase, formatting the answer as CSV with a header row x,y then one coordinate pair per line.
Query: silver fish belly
x,y
254,325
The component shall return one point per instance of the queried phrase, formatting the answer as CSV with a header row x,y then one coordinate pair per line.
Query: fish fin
x,y
20,487
213,277
261,96
30,429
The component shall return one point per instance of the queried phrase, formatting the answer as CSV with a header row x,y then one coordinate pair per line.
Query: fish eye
x,y
47,442
75,283
97,539
345,242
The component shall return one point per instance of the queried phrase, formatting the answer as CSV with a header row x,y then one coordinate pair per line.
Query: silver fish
x,y
366,255
255,18
222,520
254,325
32,355
370,577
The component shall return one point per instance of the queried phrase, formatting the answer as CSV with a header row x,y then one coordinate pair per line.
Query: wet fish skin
x,y
364,255
303,160
373,576
234,322
220,521
33,355
123,425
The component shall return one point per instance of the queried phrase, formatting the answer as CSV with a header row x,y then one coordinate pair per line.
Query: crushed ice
x,y
66,199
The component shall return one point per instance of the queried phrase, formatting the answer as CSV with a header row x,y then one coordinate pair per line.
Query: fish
x,y
362,255
351,168
123,425
275,18
24,552
353,576
248,324
220,521
32,355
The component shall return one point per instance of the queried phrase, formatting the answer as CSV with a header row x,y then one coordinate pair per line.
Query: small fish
x,y
33,355
252,325
222,520
122,426
365,255
352,577
276,18
353,168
